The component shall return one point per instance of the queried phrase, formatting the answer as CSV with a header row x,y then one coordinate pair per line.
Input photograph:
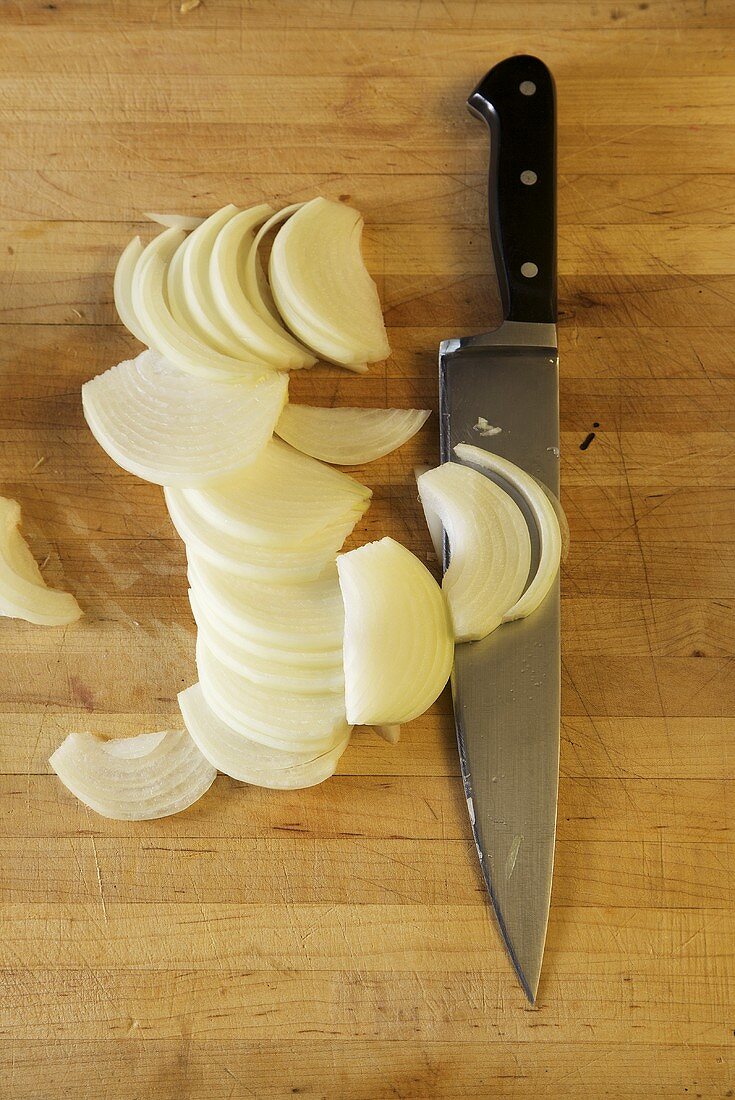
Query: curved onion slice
x,y
436,531
122,288
348,437
164,333
175,297
197,287
249,761
238,640
299,617
24,593
398,645
323,289
281,719
544,515
174,221
303,561
490,548
237,653
281,499
255,283
134,778
174,429
266,339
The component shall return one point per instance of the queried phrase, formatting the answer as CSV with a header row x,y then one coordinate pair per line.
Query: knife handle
x,y
517,101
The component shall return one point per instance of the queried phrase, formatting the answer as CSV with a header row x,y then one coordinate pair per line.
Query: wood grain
x,y
337,942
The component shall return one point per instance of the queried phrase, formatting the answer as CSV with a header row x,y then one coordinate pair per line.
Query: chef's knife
x,y
506,687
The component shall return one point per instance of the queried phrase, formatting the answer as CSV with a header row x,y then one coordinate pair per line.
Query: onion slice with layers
x,y
172,428
398,642
298,617
281,499
545,517
250,321
322,288
255,284
163,332
280,719
249,761
24,593
122,289
302,561
238,654
490,548
347,436
134,778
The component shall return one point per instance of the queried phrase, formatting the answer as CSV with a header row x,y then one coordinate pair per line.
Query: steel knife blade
x,y
500,391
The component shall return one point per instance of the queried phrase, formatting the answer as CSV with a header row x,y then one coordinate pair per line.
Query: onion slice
x,y
298,617
250,320
122,289
289,673
347,436
398,642
197,287
391,734
323,289
174,221
172,428
490,548
254,281
545,517
280,719
134,778
163,332
24,593
249,761
281,499
301,561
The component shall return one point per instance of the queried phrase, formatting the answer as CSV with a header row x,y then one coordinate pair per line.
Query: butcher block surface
x,y
337,942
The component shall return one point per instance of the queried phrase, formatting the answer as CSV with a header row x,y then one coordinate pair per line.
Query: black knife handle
x,y
517,101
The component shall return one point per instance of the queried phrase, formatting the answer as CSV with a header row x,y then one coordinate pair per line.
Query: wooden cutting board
x,y
336,942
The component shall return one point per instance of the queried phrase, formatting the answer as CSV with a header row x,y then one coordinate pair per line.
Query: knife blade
x,y
506,688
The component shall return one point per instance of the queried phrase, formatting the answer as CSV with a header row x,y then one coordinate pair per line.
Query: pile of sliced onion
x,y
490,548
322,288
252,761
176,429
24,593
134,778
346,436
545,517
398,641
281,499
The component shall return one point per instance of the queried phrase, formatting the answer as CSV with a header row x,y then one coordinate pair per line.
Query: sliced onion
x,y
436,531
123,289
164,332
398,643
255,283
323,289
280,719
489,543
544,515
250,761
174,429
174,221
281,499
176,299
299,617
198,288
265,338
391,734
134,778
270,653
302,561
24,593
348,437
289,673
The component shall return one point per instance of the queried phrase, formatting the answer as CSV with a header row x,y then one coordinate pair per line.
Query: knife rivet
x,y
529,270
527,87
528,177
